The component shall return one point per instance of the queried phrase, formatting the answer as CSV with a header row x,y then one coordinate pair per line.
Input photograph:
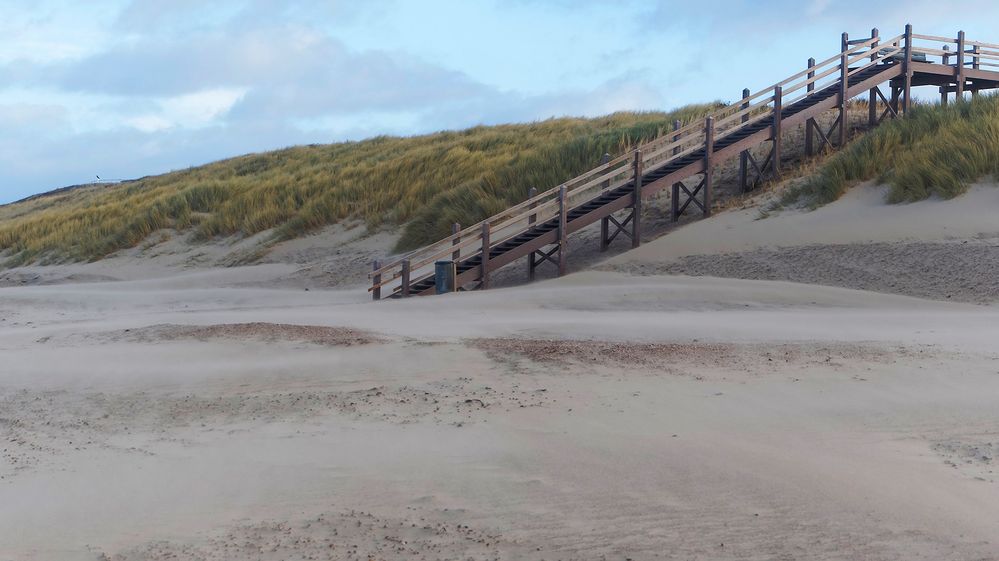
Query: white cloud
x,y
201,108
149,123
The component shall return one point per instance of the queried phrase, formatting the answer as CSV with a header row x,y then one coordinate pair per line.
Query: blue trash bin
x,y
444,274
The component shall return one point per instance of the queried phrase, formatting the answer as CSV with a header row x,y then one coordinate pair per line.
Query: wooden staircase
x,y
538,227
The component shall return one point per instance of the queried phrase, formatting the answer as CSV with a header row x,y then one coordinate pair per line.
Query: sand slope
x,y
221,414
931,249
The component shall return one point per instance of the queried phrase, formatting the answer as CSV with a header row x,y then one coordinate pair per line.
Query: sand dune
x,y
599,416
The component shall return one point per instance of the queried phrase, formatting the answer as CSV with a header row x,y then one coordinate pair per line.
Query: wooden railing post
x,y
674,201
872,101
959,71
907,87
405,278
943,89
709,148
636,203
376,281
776,132
744,155
605,221
975,64
532,262
844,86
484,272
456,254
810,123
563,233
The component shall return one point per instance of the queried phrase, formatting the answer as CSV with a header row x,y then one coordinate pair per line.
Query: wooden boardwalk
x,y
612,192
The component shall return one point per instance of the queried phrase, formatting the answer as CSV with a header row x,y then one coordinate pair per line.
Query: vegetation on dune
x,y
935,151
425,182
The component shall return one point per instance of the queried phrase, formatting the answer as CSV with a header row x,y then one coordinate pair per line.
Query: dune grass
x,y
934,151
424,182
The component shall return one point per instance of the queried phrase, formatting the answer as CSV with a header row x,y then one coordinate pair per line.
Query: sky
x,y
126,88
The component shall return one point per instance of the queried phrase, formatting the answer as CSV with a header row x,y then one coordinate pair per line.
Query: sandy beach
x,y
224,414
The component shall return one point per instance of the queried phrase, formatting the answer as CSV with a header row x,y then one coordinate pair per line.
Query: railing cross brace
x,y
760,170
606,237
824,136
889,110
678,209
541,256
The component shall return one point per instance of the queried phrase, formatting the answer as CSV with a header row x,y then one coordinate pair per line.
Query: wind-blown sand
x,y
600,416
930,249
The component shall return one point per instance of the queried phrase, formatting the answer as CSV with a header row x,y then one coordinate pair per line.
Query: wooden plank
x,y
980,44
933,38
743,112
985,75
376,280
456,254
933,69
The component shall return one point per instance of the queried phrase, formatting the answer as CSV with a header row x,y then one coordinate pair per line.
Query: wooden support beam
x,y
959,71
744,155
778,117
872,100
456,254
636,204
563,230
907,69
709,148
674,201
844,70
890,105
809,138
404,289
484,272
376,281
943,89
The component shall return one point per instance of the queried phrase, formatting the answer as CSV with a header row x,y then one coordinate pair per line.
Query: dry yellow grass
x,y
425,182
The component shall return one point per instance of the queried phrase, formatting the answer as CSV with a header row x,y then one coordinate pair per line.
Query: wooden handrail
x,y
980,44
476,228
746,111
934,38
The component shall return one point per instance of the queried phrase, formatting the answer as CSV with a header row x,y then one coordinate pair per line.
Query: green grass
x,y
424,183
934,151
